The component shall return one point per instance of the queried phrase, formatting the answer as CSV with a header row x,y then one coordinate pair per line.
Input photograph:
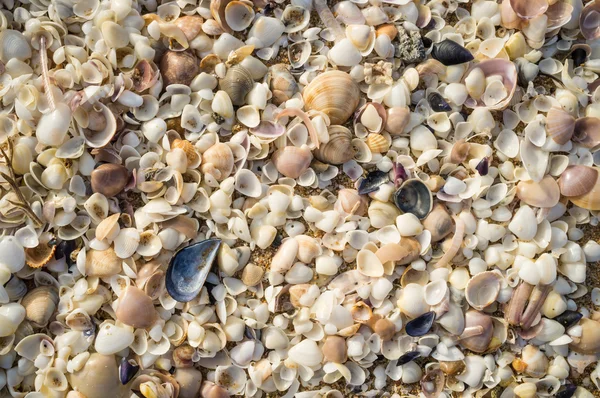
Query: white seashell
x,y
494,93
11,316
126,243
524,223
299,273
412,300
239,15
362,37
265,32
248,115
190,119
454,186
248,184
369,264
285,256
435,291
475,83
535,160
12,255
222,105
149,244
154,129
54,176
275,339
13,45
306,353
408,225
53,126
344,53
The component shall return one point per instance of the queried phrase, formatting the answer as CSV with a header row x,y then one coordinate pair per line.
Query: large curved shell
x,y
478,331
503,68
97,138
40,304
292,161
483,289
338,149
238,15
333,93
589,20
560,125
13,45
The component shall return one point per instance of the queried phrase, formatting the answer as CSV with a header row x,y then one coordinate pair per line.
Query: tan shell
x,y
283,84
99,377
388,29
182,356
560,125
40,303
252,274
439,223
589,342
334,349
402,253
587,131
218,161
460,152
377,143
385,329
190,25
103,263
350,202
338,149
545,193
292,161
480,340
237,83
136,308
577,180
109,179
333,93
397,120
179,67
193,158
217,10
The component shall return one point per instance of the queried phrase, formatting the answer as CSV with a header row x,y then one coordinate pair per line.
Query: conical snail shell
x,y
333,93
339,149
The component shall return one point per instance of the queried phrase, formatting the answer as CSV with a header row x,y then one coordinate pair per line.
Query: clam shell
x,y
414,197
179,67
560,125
283,84
135,308
589,200
237,83
545,193
483,289
333,93
577,180
588,20
292,161
529,9
98,378
102,263
397,120
218,161
13,45
41,254
238,15
503,68
338,149
109,179
586,131
479,340
40,303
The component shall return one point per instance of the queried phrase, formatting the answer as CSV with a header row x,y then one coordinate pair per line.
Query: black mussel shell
x,y
421,325
568,318
578,56
438,103
64,249
127,369
427,42
414,197
406,358
189,268
566,391
449,53
483,167
372,182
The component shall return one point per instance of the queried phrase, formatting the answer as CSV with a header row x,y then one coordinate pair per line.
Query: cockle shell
x,y
560,125
589,200
338,149
191,153
292,161
333,93
218,161
40,303
577,180
237,83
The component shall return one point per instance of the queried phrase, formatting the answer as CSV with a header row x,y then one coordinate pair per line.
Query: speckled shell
x,y
333,93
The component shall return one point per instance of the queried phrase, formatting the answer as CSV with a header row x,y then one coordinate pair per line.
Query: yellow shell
x,y
377,143
333,93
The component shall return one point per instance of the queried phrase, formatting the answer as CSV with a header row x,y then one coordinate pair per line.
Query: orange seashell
x,y
37,257
191,154
190,25
545,193
560,125
388,29
377,143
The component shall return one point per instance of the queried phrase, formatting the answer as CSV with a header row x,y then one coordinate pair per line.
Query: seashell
x,y
568,318
492,67
333,93
350,201
190,25
372,116
535,361
193,158
437,102
292,161
265,31
189,381
412,300
402,253
189,268
460,152
135,308
483,289
306,353
252,274
98,378
438,223
449,53
211,390
295,18
334,349
308,248
53,126
387,29
588,20
545,193
586,131
382,213
362,38
247,183
433,383
377,143
345,54
385,329
577,180
127,370
238,15
179,67
451,368
397,119
145,74
338,149
217,10
478,331
589,200
13,45
414,197
372,181
237,83
40,303
560,125
421,325
283,85
218,161
369,264
529,9
41,254
102,263
109,179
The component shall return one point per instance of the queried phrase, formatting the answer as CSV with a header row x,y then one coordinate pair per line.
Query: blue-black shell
x,y
189,268
421,325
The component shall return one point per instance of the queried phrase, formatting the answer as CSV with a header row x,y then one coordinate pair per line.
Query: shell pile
x,y
302,198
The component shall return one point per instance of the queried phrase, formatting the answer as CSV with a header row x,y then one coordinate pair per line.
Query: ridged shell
x,y
40,303
560,125
190,151
179,67
237,83
218,161
377,143
591,199
13,45
577,180
333,93
40,255
109,179
339,149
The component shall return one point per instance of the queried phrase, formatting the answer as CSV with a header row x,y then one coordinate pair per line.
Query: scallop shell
x,y
577,180
333,93
237,83
339,148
